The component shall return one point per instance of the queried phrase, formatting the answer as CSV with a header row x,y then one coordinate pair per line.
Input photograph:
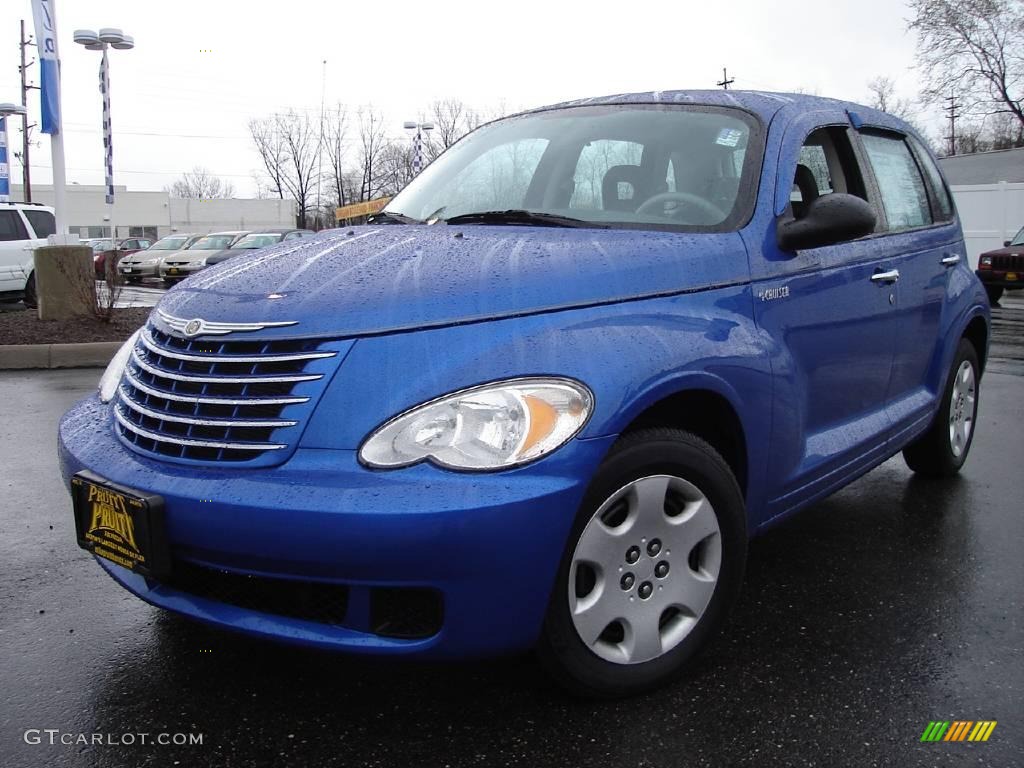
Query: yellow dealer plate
x,y
118,524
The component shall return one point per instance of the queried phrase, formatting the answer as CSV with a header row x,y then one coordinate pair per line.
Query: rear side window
x,y
42,222
942,205
11,227
903,191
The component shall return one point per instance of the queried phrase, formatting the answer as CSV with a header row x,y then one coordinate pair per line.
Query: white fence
x,y
989,214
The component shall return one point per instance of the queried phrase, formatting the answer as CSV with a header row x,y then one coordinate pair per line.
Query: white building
x,y
989,191
156,214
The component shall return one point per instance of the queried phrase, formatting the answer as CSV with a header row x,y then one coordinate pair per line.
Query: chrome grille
x,y
219,400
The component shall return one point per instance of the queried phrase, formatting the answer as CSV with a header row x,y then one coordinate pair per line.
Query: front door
x,y
831,314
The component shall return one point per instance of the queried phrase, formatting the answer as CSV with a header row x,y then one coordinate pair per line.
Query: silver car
x,y
176,266
147,263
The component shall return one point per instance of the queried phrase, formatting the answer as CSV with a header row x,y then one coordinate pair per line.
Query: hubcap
x,y
644,569
962,405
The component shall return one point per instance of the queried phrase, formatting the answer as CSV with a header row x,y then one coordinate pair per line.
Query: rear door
x,y
920,236
830,312
15,250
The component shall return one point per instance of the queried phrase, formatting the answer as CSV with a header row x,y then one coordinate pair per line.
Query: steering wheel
x,y
694,201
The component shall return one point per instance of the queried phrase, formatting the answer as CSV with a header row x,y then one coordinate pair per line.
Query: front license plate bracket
x,y
121,525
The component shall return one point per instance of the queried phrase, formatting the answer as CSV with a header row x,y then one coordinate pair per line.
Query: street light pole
x,y
417,144
112,38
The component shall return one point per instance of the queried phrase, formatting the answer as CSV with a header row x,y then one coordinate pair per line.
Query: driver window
x,y
826,164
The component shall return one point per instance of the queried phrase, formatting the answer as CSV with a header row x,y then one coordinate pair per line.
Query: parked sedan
x,y
101,251
147,263
180,265
255,240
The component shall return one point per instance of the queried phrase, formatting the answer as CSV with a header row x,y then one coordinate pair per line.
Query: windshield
x,y
641,166
212,243
101,245
1018,239
257,241
173,243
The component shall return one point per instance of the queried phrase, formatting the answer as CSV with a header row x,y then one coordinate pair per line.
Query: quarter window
x,y
904,195
940,193
42,222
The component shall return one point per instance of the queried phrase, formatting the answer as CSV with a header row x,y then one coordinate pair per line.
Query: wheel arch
x,y
977,332
707,413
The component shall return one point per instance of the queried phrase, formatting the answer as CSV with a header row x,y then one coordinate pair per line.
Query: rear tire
x,y
630,616
31,299
995,293
943,449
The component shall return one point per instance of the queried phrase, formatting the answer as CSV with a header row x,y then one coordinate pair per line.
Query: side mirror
x,y
830,219
1006,243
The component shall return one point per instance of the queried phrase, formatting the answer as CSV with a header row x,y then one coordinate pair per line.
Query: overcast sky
x,y
201,70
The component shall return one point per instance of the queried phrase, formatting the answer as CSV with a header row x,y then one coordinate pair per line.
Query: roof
x,y
763,103
984,167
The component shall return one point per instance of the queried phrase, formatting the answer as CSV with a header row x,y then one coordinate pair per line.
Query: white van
x,y
23,228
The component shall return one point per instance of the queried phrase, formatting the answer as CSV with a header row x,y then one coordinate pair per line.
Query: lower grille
x,y
309,600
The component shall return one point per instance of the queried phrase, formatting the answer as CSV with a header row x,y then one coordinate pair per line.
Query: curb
x,y
94,354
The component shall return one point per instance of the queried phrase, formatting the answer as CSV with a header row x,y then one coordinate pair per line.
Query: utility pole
x,y
726,81
26,177
953,115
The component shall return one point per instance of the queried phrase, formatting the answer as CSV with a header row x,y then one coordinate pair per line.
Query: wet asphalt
x,y
893,603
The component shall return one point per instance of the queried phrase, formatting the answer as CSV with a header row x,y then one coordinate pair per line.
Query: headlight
x,y
494,426
112,376
986,261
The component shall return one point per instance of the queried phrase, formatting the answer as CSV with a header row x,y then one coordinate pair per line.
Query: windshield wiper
x,y
387,217
520,216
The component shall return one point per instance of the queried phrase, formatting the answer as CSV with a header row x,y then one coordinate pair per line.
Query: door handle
x,y
886,277
949,261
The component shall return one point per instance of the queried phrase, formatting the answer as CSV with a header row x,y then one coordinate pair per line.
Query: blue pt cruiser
x,y
545,398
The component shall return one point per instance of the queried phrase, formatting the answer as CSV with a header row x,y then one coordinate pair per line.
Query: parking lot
x,y
896,602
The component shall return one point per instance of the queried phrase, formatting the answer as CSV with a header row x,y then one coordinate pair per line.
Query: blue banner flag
x,y
49,64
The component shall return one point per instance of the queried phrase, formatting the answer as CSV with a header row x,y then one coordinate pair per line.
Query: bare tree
x,y
371,144
973,49
200,184
395,164
334,132
301,140
883,96
272,151
449,118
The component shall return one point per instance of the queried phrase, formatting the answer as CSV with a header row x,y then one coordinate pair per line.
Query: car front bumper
x,y
488,543
180,270
138,269
1003,278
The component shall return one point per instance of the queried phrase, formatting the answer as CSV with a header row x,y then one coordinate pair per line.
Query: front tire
x,y
943,449
653,565
31,300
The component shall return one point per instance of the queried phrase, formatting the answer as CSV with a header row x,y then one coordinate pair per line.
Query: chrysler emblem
x,y
193,327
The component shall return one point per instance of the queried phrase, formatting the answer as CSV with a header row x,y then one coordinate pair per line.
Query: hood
x,y
370,280
148,254
1011,250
